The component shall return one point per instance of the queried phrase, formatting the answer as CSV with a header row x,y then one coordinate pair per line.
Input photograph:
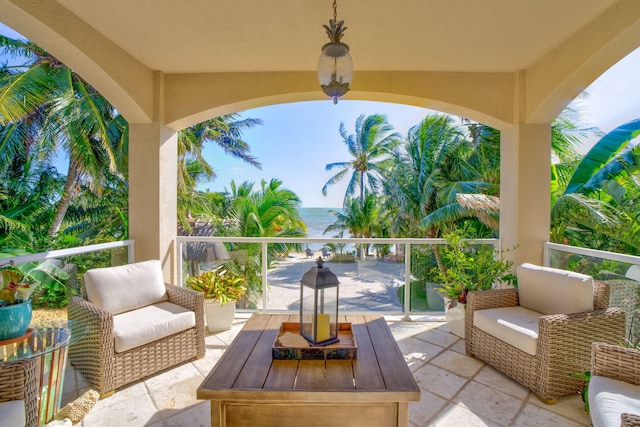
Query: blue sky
x,y
297,140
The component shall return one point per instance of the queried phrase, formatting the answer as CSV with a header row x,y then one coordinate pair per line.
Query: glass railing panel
x,y
372,272
368,283
283,276
241,259
424,295
621,272
60,272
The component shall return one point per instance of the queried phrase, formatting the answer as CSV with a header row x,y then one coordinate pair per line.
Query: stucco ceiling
x,y
190,36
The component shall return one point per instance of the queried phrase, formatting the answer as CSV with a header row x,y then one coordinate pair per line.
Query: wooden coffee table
x,y
248,389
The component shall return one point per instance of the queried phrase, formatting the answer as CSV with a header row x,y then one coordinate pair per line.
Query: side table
x,y
48,342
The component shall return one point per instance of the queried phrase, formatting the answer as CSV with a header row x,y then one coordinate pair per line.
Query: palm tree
x,y
100,218
359,219
58,109
371,147
271,211
435,163
595,204
26,206
45,107
193,168
226,132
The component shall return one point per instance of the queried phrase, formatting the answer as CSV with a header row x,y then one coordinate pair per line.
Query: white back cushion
x,y
126,287
554,291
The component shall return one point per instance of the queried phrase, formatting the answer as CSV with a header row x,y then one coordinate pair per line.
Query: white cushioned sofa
x,y
542,331
614,389
139,325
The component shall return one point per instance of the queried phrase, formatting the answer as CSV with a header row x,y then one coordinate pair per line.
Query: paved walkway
x,y
369,285
457,390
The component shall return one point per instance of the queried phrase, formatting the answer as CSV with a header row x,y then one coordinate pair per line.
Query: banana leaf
x,y
587,176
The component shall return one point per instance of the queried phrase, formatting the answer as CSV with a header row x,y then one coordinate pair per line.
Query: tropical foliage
x,y
218,284
442,176
595,203
48,112
270,211
470,268
371,147
46,278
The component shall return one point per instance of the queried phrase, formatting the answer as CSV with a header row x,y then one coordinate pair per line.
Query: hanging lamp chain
x,y
335,30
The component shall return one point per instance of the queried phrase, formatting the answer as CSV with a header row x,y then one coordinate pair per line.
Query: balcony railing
x,y
373,283
620,271
62,282
62,254
369,283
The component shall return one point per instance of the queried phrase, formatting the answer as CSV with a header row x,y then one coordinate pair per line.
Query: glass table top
x,y
44,338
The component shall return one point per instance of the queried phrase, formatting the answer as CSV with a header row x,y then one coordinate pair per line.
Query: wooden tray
x,y
345,349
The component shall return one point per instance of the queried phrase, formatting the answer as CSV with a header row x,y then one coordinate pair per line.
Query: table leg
x,y
52,368
403,414
217,418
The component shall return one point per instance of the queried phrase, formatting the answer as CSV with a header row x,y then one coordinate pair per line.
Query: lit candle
x,y
324,330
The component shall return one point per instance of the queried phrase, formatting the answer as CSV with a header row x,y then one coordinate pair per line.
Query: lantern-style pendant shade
x,y
319,305
335,67
335,70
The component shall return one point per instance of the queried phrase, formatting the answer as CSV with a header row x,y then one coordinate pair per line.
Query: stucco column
x,y
153,193
525,159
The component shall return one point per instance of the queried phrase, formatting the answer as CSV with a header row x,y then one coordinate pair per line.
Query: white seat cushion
x,y
517,326
126,287
608,399
148,324
554,291
12,413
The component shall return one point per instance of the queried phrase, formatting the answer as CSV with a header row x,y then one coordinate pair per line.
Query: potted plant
x,y
15,302
221,290
465,268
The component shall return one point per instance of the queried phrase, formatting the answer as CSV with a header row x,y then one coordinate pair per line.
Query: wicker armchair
x,y
19,381
615,371
97,357
562,347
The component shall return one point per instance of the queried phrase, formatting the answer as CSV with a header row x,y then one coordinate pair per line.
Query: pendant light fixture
x,y
335,67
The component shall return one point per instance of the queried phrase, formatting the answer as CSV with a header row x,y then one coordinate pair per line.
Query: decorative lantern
x,y
319,305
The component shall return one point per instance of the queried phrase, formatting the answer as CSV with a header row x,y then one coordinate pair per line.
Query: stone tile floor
x,y
457,390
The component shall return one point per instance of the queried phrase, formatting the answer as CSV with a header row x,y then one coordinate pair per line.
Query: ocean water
x,y
317,220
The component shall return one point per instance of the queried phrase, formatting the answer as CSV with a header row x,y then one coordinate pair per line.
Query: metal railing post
x,y
407,281
265,296
546,256
131,252
179,263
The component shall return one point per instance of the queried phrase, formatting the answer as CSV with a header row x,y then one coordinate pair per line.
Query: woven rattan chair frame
x,y
95,357
629,420
564,342
618,363
19,380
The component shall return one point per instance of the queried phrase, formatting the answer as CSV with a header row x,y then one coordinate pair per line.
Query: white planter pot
x,y
219,317
455,317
